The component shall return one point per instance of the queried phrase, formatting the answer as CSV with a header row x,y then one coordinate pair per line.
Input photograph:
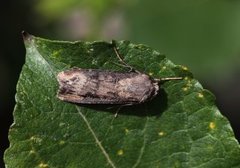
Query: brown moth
x,y
94,86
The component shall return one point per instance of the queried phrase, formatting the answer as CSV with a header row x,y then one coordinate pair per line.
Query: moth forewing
x,y
94,86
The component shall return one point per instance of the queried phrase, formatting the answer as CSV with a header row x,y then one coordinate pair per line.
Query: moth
x,y
96,86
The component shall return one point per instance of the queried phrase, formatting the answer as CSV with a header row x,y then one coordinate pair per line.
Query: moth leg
x,y
121,59
121,106
116,114
143,99
117,111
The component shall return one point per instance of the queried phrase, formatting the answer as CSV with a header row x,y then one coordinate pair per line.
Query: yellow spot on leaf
x,y
200,95
120,152
185,89
150,73
184,68
61,142
186,78
32,152
43,165
189,84
161,133
126,130
56,54
212,125
164,67
36,139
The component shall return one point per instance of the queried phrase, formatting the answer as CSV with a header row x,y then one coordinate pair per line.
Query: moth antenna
x,y
168,79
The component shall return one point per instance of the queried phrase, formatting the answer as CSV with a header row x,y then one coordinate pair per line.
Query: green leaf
x,y
181,127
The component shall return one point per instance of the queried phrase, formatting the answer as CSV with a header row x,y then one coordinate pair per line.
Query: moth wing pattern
x,y
94,86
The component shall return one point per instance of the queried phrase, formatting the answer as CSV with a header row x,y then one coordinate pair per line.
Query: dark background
x,y
201,34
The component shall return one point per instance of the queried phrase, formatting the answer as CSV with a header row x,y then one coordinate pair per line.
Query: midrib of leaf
x,y
96,138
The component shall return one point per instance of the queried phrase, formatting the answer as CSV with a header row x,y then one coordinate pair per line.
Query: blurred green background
x,y
203,35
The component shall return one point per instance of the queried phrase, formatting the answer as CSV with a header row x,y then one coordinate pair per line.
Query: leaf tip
x,y
26,36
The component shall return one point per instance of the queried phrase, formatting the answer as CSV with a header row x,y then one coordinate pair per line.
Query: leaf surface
x,y
181,127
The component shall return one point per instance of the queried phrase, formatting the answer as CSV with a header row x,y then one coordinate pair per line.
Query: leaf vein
x,y
96,138
143,147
